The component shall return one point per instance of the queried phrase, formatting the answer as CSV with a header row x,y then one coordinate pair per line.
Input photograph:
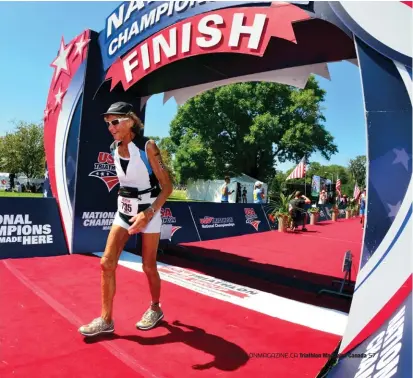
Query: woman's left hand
x,y
139,222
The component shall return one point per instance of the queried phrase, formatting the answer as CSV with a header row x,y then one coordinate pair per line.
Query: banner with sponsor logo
x,y
178,214
30,227
216,220
315,186
325,213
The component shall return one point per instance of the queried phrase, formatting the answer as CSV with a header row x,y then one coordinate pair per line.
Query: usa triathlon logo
x,y
211,222
168,218
251,218
105,170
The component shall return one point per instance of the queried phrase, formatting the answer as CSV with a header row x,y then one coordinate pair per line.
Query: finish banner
x,y
134,21
234,30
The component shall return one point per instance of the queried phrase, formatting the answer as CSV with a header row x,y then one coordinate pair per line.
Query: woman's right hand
x,y
139,222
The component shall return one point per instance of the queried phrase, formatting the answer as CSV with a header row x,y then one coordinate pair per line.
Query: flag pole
x,y
305,175
305,183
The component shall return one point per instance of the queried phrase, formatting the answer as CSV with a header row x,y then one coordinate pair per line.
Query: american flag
x,y
356,191
299,170
338,186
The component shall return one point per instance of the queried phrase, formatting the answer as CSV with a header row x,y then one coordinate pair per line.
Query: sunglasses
x,y
116,122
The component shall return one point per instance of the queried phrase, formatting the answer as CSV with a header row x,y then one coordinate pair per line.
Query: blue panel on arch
x,y
390,144
72,151
385,90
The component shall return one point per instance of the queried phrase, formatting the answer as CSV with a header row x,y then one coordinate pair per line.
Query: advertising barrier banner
x,y
325,212
178,214
215,220
30,227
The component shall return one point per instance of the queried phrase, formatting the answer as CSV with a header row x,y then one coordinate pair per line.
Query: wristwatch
x,y
150,208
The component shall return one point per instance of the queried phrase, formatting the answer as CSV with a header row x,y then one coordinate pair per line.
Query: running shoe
x,y
96,327
150,319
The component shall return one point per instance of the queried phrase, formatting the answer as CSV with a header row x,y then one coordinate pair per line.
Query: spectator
x,y
225,193
258,193
322,199
363,199
244,195
297,210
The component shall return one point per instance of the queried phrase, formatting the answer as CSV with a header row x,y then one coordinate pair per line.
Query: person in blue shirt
x,y
225,193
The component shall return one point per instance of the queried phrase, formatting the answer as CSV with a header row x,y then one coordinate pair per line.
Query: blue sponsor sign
x,y
386,353
133,22
30,227
178,215
216,220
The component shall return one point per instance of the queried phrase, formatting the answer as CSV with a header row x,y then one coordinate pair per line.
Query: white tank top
x,y
139,173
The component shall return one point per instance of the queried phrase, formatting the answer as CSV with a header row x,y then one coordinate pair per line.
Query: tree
x,y
22,151
166,144
249,126
357,168
166,154
278,185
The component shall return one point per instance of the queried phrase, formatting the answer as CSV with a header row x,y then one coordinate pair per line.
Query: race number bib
x,y
128,206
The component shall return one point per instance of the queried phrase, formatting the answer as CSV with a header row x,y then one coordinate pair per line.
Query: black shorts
x,y
297,217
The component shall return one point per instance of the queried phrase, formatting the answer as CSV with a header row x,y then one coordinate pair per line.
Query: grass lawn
x,y
177,195
3,193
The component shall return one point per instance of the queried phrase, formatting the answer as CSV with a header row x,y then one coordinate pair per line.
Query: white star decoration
x,y
45,193
58,97
46,113
394,209
401,157
81,45
60,63
46,175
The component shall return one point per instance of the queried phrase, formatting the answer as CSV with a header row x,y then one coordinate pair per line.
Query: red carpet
x,y
319,251
48,298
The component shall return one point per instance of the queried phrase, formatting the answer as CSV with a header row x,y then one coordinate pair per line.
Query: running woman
x,y
145,186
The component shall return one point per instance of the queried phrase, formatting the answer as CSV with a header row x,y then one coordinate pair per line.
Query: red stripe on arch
x,y
408,3
387,310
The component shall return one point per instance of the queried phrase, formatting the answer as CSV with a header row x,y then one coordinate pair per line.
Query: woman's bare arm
x,y
161,173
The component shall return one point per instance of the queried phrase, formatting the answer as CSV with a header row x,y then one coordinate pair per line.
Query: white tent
x,y
210,190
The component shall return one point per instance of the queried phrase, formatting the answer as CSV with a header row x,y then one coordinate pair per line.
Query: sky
x,y
30,35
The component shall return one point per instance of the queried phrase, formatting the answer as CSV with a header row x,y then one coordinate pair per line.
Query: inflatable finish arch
x,y
183,48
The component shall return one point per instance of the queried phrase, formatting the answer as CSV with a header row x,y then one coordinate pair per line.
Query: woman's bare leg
x,y
150,243
117,239
154,314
